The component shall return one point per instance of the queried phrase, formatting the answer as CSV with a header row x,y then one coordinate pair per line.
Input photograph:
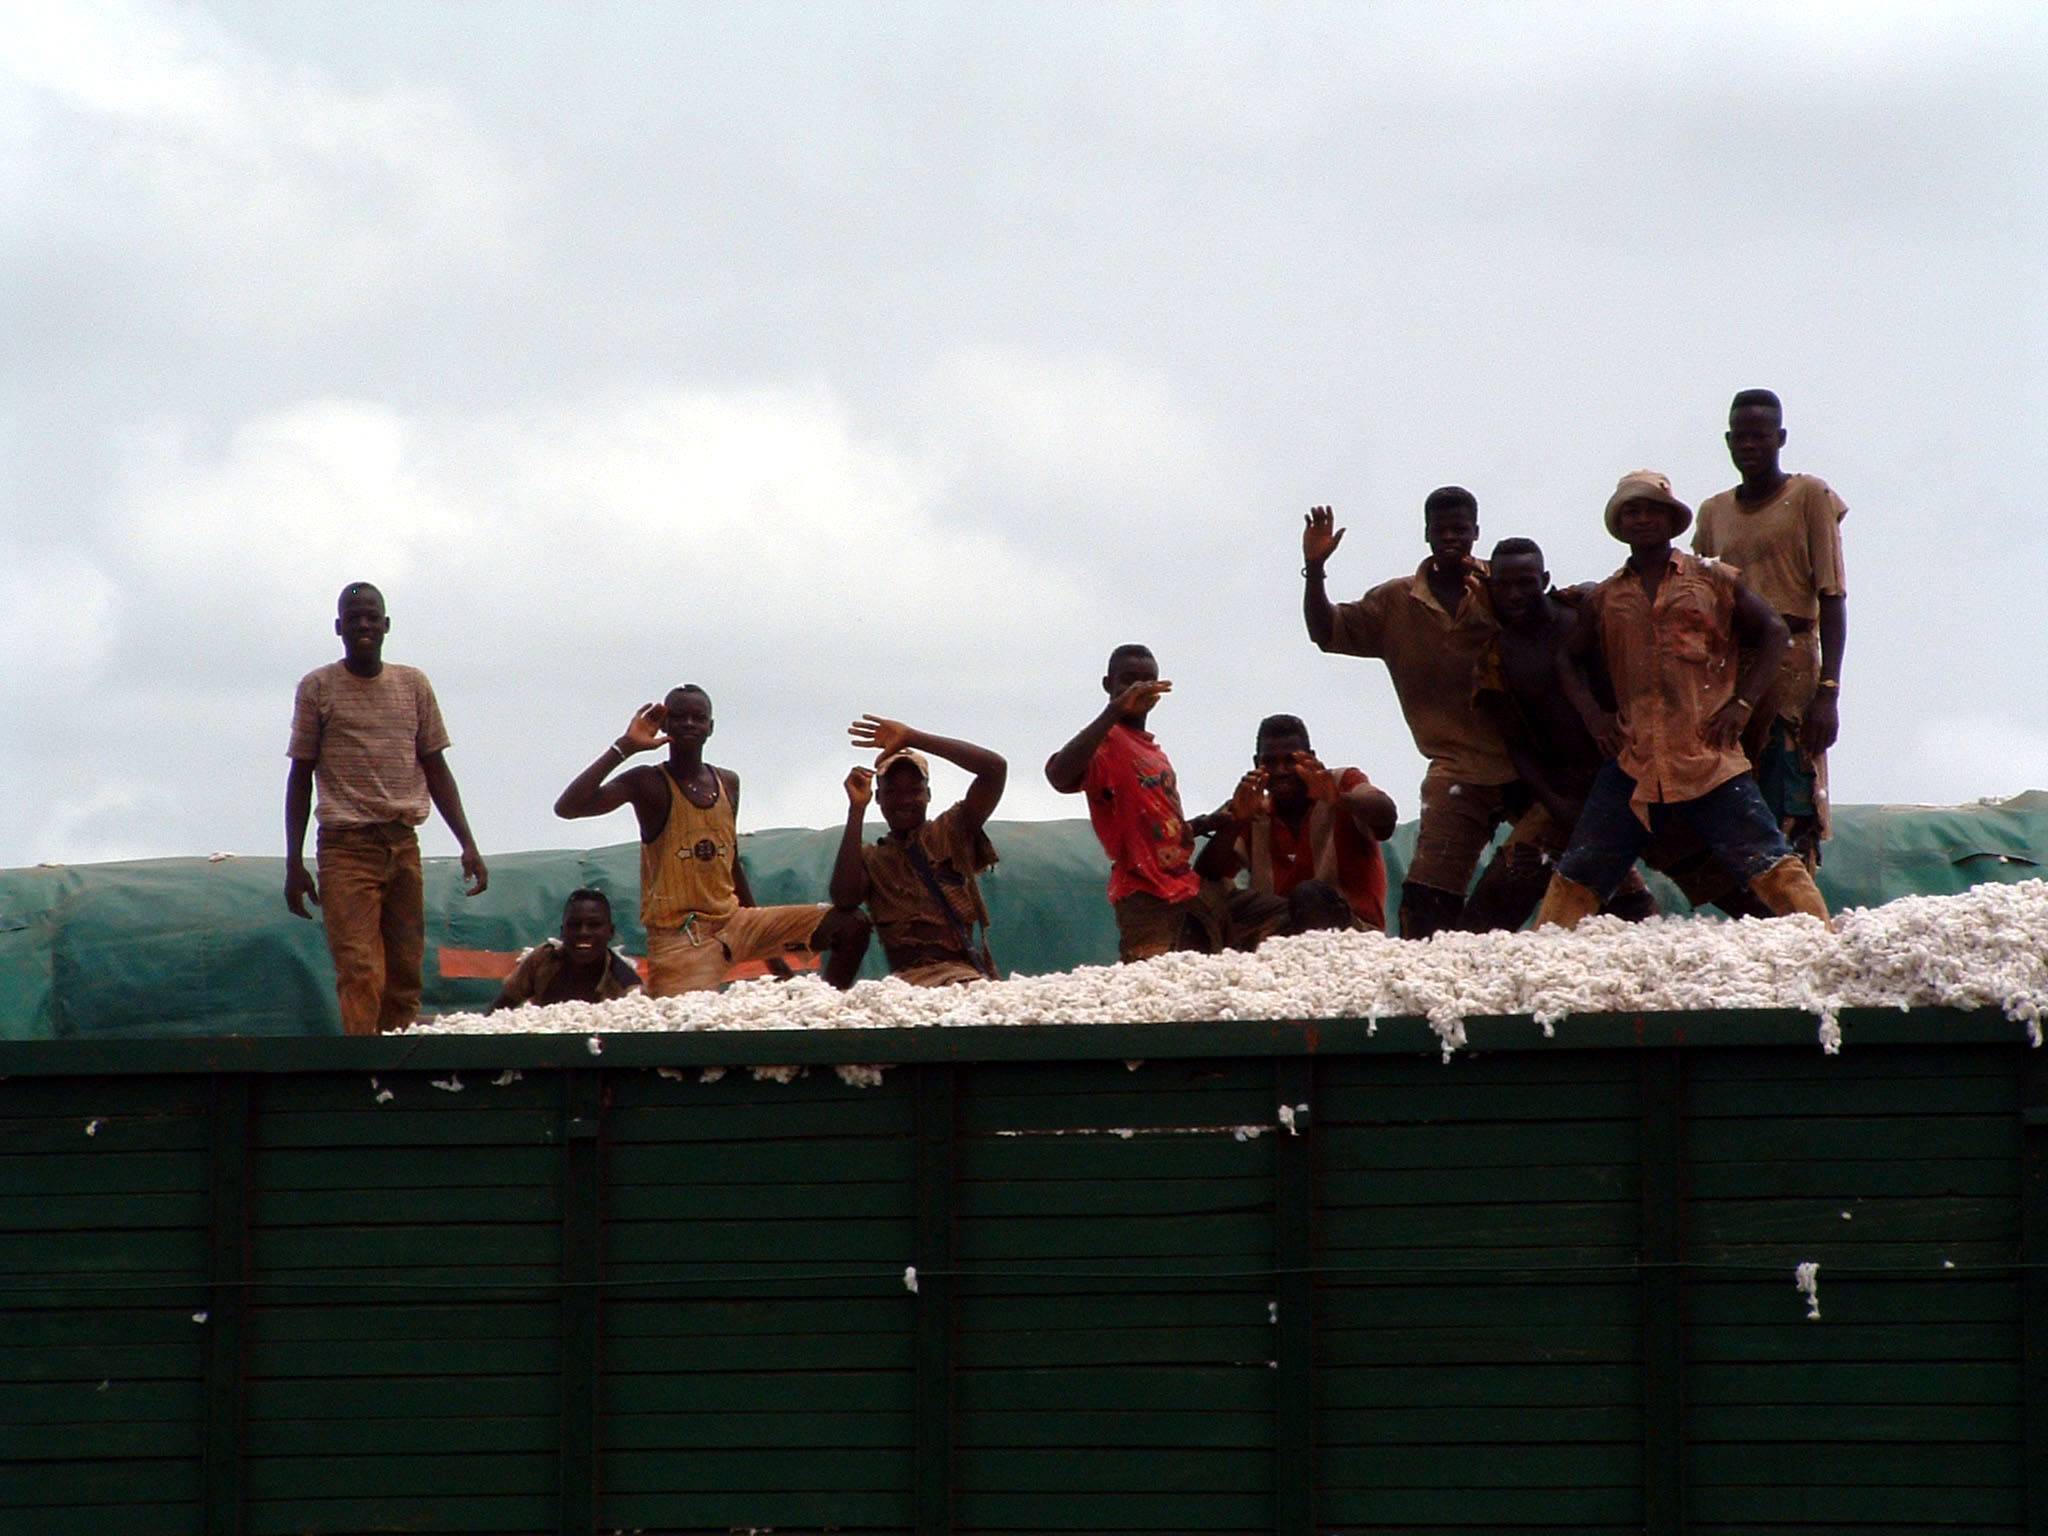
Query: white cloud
x,y
146,139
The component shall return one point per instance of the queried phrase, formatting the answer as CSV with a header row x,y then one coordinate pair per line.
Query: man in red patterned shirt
x,y
1161,904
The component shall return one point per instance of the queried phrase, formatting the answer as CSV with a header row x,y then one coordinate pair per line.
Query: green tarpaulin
x,y
205,947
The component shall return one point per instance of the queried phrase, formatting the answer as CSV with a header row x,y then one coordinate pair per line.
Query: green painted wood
x,y
583,1254
1090,1470
1452,1468
1487,1508
1820,1462
42,1212
2033,1287
98,1520
797,1469
479,1435
1483,1341
1842,1505
281,1250
280,1170
291,1359
1161,1512
1039,1159
450,1399
758,1391
812,1240
1860,1384
431,1470
399,1125
880,1350
1160,1428
1481,1428
764,1430
1934,1424
1480,1146
875,1115
780,1510
183,1440
804,1163
1662,1292
105,1401
894,1200
1996,1177
938,1109
1106,1041
1118,1346
1294,1461
374,1512
1115,1197
1085,1389
1859,1137
180,1361
229,1266
746,1317
90,1170
111,1483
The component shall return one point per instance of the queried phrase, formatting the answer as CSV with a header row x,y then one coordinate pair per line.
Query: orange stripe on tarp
x,y
497,964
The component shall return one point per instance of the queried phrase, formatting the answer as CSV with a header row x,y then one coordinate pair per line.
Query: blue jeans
x,y
1733,821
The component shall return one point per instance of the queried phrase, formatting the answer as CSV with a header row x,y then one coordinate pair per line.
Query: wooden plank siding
x,y
513,1285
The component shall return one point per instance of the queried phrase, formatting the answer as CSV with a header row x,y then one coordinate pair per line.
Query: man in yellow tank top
x,y
699,913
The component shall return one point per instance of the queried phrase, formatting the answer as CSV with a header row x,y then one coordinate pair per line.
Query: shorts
x,y
1457,827
695,959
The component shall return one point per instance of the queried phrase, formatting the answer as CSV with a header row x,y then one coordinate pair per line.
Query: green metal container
x,y
518,1284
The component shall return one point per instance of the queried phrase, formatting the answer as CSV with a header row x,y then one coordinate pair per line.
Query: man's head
x,y
1315,906
1756,432
1643,513
903,790
586,926
1516,581
687,714
1280,739
1450,523
360,620
1130,664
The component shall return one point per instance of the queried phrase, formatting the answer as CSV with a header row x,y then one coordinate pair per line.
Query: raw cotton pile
x,y
1987,948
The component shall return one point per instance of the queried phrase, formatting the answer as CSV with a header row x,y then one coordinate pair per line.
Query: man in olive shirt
x,y
1430,629
1782,533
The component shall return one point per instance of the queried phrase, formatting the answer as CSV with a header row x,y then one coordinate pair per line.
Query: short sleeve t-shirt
x,y
901,903
1430,655
1788,550
365,737
1134,803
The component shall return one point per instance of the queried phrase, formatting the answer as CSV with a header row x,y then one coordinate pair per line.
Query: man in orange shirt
x,y
1782,533
1294,823
1670,627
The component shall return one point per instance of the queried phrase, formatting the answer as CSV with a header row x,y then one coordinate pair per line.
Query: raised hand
x,y
881,736
1249,799
1139,698
643,731
1318,781
1320,535
860,786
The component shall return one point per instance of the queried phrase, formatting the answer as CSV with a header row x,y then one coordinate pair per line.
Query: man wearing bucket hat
x,y
918,881
1690,650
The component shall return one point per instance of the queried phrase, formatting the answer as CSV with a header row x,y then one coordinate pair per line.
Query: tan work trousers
x,y
373,906
696,958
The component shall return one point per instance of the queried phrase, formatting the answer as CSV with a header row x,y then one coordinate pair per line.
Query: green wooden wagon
x,y
1040,1279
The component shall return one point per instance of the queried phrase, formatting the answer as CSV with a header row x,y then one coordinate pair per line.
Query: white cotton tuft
x,y
452,1083
92,1127
910,1278
1287,1119
1806,1278
594,1045
507,1078
385,1096
860,1077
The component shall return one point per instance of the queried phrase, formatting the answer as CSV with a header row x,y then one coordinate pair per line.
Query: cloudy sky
x,y
905,358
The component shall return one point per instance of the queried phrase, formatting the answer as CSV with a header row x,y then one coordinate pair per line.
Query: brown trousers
x,y
1219,918
373,905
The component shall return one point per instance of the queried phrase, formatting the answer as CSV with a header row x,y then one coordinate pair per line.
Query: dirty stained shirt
x,y
908,922
1673,663
1430,656
1788,550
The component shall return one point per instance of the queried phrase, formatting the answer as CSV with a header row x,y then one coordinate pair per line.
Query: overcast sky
x,y
907,358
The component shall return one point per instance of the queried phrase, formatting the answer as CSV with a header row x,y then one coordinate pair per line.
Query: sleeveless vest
x,y
686,872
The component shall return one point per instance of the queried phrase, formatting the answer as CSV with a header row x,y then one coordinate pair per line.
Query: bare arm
x,y
1823,722
1529,768
1371,810
448,801
298,809
1572,658
590,794
990,772
849,886
1319,540
1763,637
1067,769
